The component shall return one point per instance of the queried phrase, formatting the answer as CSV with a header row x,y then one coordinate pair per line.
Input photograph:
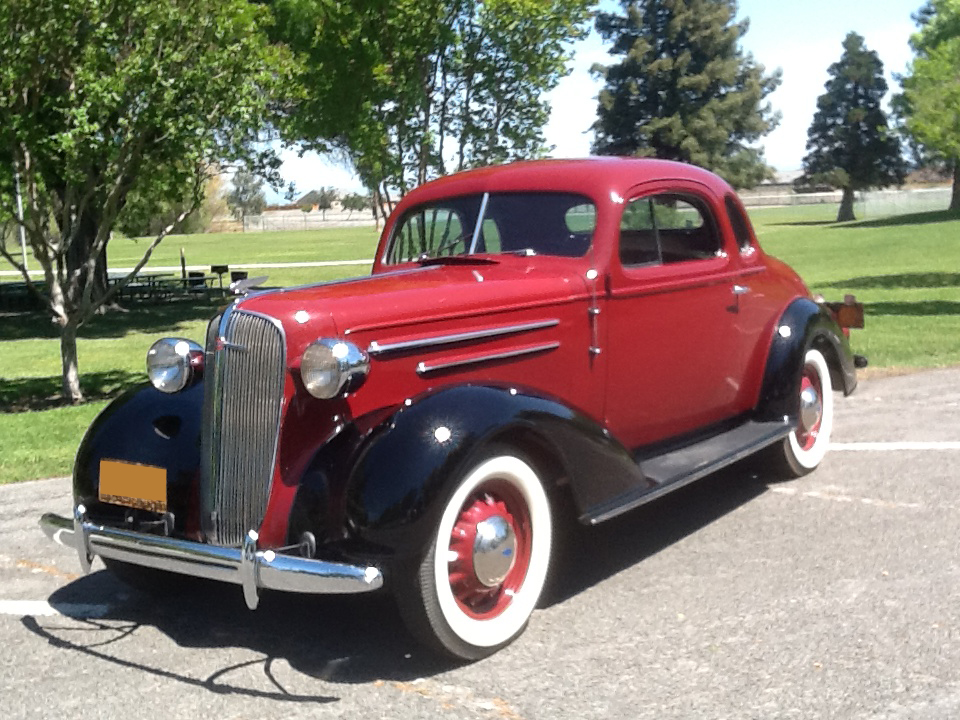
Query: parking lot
x,y
833,596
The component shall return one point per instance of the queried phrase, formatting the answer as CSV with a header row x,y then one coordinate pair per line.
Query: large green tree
x,y
105,100
849,144
683,89
409,90
931,88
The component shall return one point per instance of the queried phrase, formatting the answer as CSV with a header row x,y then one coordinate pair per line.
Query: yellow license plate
x,y
133,485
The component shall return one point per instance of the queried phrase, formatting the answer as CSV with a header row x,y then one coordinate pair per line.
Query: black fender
x,y
803,325
149,427
406,472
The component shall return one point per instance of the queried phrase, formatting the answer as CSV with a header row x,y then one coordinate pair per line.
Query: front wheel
x,y
805,447
479,581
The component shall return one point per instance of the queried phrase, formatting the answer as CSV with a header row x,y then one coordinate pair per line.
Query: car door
x,y
672,342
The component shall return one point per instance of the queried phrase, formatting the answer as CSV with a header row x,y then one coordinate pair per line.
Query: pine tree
x,y
849,144
684,90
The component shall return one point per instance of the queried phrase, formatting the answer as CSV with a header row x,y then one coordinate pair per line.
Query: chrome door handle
x,y
740,289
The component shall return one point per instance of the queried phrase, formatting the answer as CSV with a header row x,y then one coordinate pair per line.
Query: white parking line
x,y
843,498
893,446
41,608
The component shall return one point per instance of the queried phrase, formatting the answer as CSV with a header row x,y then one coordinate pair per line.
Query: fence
x,y
277,220
870,204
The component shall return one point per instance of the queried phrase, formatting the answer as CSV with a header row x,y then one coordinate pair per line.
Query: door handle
x,y
740,289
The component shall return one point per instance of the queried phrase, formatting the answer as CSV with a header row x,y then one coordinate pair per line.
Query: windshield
x,y
533,223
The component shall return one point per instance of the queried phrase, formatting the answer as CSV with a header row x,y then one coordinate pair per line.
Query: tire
x,y
475,588
805,447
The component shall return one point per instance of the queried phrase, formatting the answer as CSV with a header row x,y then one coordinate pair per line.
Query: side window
x,y
739,223
666,228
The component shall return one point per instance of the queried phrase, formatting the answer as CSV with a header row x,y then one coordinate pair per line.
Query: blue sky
x,y
801,38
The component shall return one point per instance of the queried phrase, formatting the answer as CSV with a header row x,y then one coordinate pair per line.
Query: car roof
x,y
594,176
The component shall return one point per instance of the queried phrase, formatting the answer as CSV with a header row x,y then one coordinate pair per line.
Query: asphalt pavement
x,y
833,596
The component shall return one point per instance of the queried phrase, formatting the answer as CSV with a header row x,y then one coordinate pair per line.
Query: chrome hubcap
x,y
811,408
494,550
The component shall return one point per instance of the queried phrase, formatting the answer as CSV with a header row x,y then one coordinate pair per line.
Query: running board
x,y
675,469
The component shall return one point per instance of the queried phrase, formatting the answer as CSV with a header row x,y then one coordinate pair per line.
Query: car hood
x,y
417,296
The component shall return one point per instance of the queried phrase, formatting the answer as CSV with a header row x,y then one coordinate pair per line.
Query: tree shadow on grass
x,y
43,393
920,218
908,281
154,318
921,308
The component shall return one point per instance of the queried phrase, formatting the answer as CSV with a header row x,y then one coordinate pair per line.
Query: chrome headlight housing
x,y
174,363
331,367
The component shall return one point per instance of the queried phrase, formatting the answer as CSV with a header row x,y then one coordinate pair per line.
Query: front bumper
x,y
245,566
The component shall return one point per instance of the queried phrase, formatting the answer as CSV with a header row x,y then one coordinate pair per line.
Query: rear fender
x,y
803,325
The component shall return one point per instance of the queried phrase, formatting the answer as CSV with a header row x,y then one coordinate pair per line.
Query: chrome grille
x,y
242,403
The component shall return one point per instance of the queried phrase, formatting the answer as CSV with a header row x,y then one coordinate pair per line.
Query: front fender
x,y
803,325
406,472
148,427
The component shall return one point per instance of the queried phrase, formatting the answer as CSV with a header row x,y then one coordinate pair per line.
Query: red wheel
x,y
480,580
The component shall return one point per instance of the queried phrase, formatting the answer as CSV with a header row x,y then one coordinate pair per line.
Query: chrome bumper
x,y
246,566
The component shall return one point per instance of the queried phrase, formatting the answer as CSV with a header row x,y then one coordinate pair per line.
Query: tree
x,y
356,201
325,199
246,195
105,101
848,143
931,89
148,215
408,90
684,90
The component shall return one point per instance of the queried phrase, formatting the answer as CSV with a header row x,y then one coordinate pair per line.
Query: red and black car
x,y
596,332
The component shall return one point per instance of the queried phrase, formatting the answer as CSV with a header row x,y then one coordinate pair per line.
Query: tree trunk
x,y
955,196
68,358
846,206
79,252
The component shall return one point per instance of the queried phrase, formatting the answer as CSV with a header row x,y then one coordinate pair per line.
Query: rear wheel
x,y
479,581
807,444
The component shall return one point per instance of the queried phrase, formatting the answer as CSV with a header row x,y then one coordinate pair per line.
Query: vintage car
x,y
594,332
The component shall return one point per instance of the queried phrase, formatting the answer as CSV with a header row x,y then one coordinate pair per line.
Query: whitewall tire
x,y
479,582
806,446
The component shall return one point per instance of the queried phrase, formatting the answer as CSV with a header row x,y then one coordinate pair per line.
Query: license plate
x,y
133,485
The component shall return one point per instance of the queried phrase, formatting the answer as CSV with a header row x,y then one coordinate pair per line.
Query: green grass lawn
x,y
905,269
347,243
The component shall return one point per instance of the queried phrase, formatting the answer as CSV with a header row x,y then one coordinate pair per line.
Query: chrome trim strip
x,y
248,567
424,369
377,348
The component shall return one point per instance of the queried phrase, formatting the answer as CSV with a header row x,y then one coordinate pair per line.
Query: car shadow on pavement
x,y
589,555
350,639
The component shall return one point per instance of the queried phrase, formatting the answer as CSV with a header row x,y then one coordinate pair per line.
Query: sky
x,y
801,38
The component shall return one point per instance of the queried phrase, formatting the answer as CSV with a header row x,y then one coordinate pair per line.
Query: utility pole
x,y
23,234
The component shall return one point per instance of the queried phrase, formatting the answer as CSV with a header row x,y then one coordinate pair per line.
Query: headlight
x,y
331,367
173,363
